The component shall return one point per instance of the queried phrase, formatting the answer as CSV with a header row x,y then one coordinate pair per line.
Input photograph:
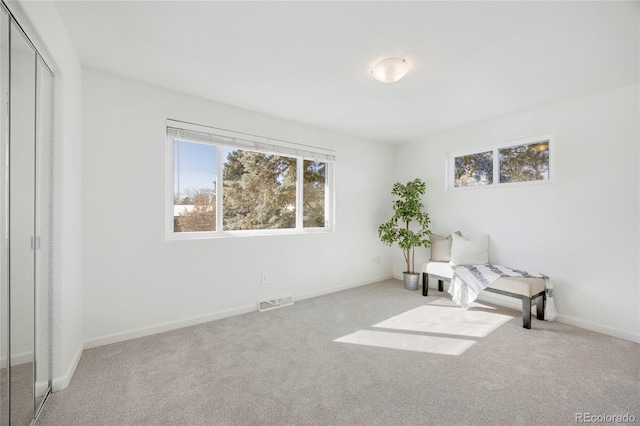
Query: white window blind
x,y
205,134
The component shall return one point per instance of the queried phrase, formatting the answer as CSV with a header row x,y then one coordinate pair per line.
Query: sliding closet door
x,y
26,129
22,213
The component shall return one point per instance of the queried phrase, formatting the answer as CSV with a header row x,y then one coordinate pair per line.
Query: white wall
x,y
582,229
137,283
45,28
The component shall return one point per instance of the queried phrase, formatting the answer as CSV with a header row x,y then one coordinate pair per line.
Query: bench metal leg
x,y
526,312
440,284
425,284
540,305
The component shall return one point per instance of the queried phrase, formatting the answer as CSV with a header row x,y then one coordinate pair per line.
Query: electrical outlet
x,y
265,278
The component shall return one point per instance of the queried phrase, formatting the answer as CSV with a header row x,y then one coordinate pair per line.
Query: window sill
x,y
185,236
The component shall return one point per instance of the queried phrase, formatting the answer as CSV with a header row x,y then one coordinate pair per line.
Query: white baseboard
x,y
17,359
341,287
598,328
62,381
41,388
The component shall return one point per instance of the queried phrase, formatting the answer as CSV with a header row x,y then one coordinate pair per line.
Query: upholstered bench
x,y
525,289
450,251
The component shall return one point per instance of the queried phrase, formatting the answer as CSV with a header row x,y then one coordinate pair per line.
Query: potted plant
x,y
407,211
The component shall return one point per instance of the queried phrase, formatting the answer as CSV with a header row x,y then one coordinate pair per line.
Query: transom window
x,y
228,183
515,162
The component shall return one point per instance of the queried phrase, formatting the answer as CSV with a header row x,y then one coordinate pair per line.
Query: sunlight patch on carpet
x,y
408,342
440,317
450,320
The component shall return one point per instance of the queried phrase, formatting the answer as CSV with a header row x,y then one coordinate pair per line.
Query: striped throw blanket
x,y
468,281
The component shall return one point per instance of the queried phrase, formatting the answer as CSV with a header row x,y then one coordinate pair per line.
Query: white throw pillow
x,y
441,247
472,251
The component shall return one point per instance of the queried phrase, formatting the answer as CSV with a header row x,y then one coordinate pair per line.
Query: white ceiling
x,y
309,61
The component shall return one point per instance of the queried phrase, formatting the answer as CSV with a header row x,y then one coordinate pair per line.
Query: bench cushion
x,y
518,285
441,269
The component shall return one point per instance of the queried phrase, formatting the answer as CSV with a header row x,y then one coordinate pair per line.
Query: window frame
x,y
271,146
450,168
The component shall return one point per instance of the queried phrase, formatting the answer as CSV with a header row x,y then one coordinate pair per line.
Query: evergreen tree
x,y
259,191
314,194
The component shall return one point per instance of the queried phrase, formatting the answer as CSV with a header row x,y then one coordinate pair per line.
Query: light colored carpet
x,y
285,367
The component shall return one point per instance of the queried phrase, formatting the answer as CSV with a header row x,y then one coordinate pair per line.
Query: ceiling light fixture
x,y
390,70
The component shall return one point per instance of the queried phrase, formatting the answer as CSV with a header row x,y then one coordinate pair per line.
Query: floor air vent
x,y
267,304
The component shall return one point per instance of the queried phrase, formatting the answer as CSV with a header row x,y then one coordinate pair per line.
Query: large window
x,y
516,162
227,183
